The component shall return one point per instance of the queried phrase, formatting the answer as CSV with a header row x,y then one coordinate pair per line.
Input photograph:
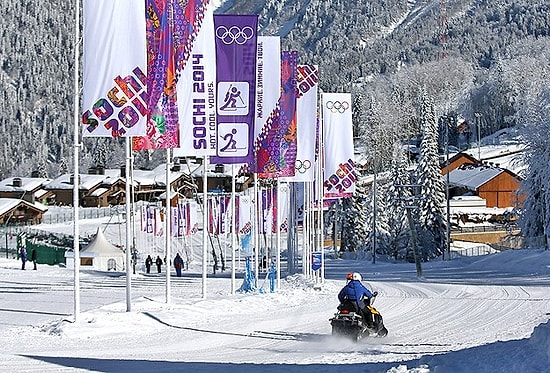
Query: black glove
x,y
375,294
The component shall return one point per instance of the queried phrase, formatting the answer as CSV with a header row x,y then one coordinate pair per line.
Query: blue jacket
x,y
354,290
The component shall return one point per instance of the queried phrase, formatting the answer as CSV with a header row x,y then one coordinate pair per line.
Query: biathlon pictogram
x,y
302,166
234,34
337,106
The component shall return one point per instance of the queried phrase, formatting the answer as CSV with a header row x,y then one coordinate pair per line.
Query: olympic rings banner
x,y
339,171
172,27
307,77
114,97
197,94
235,39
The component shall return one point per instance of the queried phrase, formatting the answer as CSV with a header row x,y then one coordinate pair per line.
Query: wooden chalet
x,y
498,186
20,212
458,160
29,189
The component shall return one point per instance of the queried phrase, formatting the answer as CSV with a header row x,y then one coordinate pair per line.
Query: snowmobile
x,y
349,322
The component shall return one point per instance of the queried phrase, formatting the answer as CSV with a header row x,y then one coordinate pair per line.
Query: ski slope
x,y
479,314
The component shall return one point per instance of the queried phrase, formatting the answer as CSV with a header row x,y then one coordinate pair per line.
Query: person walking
x,y
158,262
23,253
148,263
178,264
33,258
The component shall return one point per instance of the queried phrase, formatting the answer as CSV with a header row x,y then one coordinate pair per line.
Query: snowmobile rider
x,y
359,295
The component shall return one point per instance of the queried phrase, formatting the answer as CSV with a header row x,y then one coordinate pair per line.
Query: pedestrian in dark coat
x,y
148,263
23,252
33,258
158,262
178,264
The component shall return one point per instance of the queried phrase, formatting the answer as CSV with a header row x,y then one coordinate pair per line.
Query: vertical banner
x,y
245,225
235,38
268,91
197,94
114,96
283,207
307,77
339,172
172,27
276,151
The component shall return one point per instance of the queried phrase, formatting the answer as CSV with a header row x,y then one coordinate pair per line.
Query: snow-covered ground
x,y
475,314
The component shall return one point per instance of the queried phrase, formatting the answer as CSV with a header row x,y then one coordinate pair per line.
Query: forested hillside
x,y
473,56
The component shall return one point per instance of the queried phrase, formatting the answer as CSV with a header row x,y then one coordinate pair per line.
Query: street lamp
x,y
478,122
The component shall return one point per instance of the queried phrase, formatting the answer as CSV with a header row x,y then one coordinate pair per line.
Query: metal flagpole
x,y
76,178
255,206
233,233
167,224
128,229
278,230
321,192
204,223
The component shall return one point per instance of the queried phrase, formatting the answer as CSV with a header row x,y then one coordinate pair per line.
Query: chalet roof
x,y
154,177
28,184
472,177
8,204
87,182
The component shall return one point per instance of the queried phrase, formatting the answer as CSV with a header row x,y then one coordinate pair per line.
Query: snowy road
x,y
481,311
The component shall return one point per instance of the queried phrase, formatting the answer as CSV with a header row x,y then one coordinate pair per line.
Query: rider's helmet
x,y
357,276
349,276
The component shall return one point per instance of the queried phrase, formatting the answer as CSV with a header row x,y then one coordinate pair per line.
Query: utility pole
x,y
478,122
410,204
447,195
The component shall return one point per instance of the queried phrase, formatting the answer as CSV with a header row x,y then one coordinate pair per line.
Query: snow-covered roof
x,y
156,176
7,204
87,182
98,192
28,184
472,177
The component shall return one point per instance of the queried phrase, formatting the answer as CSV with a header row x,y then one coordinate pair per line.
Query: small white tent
x,y
99,255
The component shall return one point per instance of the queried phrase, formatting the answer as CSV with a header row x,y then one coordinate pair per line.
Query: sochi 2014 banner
x,y
184,219
197,94
235,37
307,77
339,171
278,149
172,27
268,91
114,96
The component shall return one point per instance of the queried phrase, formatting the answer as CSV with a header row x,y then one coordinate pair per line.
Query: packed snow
x,y
472,314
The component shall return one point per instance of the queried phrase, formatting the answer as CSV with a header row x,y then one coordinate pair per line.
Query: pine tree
x,y
395,196
432,231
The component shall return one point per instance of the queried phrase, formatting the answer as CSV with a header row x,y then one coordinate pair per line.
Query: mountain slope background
x,y
354,42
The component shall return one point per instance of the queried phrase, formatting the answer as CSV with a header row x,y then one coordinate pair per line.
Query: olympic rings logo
x,y
337,106
302,166
234,34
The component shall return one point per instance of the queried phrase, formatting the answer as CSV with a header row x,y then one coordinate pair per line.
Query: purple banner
x,y
235,37
276,151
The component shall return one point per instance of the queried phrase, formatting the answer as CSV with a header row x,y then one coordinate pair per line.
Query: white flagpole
x,y
278,234
128,228
256,208
322,191
167,224
233,233
76,178
204,224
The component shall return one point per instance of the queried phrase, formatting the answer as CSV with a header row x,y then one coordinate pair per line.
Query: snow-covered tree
x,y
432,224
534,219
397,192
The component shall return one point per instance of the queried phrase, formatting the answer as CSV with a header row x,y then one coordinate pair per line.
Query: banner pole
x,y
76,174
128,228
204,224
167,224
233,227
